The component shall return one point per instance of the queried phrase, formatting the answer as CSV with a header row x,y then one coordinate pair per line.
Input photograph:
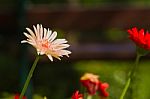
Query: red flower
x,y
102,89
76,95
91,82
141,38
17,96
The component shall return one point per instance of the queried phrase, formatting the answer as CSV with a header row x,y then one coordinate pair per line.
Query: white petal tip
x,y
24,41
59,59
67,55
55,32
50,57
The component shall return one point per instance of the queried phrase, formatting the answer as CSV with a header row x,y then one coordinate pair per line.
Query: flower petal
x,y
31,32
53,36
41,31
50,57
61,46
49,32
140,38
24,41
59,41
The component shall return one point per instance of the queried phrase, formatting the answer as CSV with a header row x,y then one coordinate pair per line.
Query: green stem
x,y
125,88
135,66
131,75
29,77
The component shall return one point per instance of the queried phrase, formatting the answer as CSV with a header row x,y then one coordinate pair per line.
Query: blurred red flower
x,y
140,38
93,84
76,95
17,96
102,89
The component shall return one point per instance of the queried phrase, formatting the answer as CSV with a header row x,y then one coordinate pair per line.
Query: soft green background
x,y
60,80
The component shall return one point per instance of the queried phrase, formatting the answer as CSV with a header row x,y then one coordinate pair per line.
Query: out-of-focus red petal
x,y
17,96
77,95
91,87
102,89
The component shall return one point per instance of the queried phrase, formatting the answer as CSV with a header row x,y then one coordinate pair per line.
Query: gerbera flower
x,y
77,95
91,82
140,38
45,42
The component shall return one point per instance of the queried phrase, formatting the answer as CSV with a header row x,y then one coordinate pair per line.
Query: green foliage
x,y
60,79
112,72
115,73
142,82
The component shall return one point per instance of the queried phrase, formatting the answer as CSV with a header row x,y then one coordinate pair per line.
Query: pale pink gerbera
x,y
45,43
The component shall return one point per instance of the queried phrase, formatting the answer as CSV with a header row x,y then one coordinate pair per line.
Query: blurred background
x,y
96,31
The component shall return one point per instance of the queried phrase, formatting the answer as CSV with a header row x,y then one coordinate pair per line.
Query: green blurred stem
x,y
89,96
29,77
131,75
135,66
125,88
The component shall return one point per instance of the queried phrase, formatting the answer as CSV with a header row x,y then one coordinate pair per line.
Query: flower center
x,y
45,44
